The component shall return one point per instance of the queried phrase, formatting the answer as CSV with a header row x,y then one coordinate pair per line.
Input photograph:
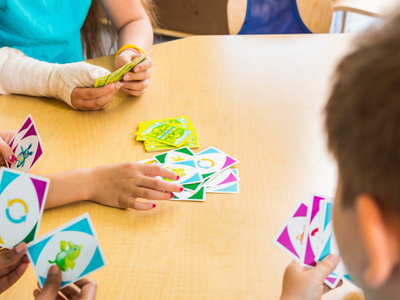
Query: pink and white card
x,y
290,236
27,146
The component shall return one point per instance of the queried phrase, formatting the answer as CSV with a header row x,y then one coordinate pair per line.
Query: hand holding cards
x,y
307,236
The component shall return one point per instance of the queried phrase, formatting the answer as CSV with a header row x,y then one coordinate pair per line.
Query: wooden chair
x,y
372,8
316,14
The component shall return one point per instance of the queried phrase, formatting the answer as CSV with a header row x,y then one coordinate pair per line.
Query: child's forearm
x,y
138,32
68,187
20,74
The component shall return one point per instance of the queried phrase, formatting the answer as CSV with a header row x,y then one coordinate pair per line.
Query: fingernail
x,y
122,84
126,77
181,189
54,270
137,69
154,205
172,195
12,158
20,247
112,85
177,177
334,258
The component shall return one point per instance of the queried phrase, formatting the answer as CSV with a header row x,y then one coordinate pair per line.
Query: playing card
x,y
325,218
21,131
177,155
200,195
118,74
27,148
310,234
22,200
212,160
290,237
187,171
230,188
73,247
329,246
166,133
149,161
224,177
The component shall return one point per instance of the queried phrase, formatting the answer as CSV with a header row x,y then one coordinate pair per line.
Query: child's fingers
x,y
6,152
92,93
134,93
136,85
326,267
130,76
88,289
52,284
100,102
152,194
153,171
159,184
132,203
144,65
10,257
7,281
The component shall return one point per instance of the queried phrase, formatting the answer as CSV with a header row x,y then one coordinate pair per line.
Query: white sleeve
x,y
20,74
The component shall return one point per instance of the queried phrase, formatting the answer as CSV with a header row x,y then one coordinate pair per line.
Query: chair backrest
x,y
278,17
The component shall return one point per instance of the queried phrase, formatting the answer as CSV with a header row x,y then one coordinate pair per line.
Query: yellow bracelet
x,y
130,46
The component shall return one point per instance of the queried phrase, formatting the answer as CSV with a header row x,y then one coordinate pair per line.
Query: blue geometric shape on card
x,y
328,214
81,226
327,249
207,151
6,179
232,188
95,263
63,283
189,163
349,278
194,178
42,280
36,249
235,171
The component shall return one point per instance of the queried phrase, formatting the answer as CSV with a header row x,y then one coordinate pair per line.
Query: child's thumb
x,y
326,266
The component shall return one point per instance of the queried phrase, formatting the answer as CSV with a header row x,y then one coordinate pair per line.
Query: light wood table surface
x,y
259,99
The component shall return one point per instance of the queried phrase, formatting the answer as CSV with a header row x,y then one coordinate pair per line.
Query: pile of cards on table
x,y
74,246
167,134
307,236
205,172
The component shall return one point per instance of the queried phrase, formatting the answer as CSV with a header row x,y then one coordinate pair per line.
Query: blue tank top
x,y
48,30
273,17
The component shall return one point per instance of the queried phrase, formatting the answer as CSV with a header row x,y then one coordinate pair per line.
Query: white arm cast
x,y
20,74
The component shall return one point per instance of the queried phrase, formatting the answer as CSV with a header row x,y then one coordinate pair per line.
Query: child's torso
x,y
48,30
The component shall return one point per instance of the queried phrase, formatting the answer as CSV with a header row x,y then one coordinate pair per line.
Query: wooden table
x,y
258,98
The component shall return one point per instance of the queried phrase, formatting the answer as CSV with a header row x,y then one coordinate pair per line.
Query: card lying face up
x,y
22,200
187,171
27,146
174,156
213,160
73,247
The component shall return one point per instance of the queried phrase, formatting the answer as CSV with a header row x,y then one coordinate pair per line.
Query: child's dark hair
x,y
97,21
363,118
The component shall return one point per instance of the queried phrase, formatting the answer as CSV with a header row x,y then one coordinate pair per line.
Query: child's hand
x,y
301,284
119,185
5,150
84,289
94,98
135,83
13,264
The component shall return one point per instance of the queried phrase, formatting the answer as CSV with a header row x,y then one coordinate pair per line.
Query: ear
x,y
380,240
